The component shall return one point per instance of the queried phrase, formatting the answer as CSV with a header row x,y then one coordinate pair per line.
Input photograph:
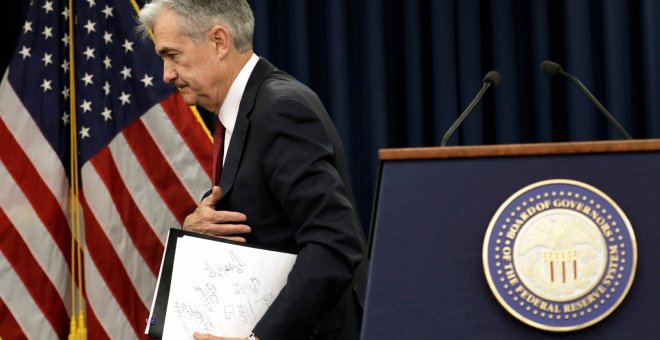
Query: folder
x,y
212,285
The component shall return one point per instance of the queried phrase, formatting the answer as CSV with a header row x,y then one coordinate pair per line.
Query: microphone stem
x,y
600,106
465,113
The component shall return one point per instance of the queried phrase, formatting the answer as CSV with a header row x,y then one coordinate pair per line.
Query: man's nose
x,y
169,73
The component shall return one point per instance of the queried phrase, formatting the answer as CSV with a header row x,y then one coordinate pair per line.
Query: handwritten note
x,y
221,288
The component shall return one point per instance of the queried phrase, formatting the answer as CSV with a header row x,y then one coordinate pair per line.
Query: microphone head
x,y
550,67
492,77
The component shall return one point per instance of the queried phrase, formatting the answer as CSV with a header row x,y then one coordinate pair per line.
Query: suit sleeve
x,y
299,163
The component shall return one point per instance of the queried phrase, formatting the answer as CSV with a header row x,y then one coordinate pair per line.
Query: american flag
x,y
144,162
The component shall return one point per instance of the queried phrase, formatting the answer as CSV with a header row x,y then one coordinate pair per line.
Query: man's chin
x,y
193,100
188,99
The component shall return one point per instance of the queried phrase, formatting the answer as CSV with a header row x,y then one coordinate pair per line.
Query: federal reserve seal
x,y
560,255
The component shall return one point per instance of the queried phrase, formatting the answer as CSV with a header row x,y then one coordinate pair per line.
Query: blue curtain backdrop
x,y
397,73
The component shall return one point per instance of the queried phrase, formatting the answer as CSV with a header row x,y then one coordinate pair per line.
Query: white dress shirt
x,y
229,109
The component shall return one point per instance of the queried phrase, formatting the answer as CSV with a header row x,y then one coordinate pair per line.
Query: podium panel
x,y
432,211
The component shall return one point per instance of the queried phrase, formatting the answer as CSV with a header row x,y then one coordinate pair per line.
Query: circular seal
x,y
560,255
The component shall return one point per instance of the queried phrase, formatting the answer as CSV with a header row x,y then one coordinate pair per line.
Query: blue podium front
x,y
432,213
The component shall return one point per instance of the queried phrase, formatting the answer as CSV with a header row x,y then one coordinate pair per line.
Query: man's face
x,y
196,69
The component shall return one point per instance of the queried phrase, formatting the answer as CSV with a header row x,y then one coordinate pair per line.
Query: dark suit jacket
x,y
285,169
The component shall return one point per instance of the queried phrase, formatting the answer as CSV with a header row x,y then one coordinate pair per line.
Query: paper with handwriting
x,y
221,288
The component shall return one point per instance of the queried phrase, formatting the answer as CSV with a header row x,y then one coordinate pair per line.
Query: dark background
x,y
397,73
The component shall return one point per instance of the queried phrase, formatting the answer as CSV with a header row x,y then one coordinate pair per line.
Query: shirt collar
x,y
229,109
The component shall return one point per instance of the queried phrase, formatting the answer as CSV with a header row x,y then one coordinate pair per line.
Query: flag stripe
x,y
158,170
22,218
109,316
110,268
122,250
189,127
145,196
178,155
18,300
33,144
8,325
144,239
32,185
94,328
33,278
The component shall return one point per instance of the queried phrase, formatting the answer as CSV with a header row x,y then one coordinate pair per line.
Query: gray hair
x,y
196,17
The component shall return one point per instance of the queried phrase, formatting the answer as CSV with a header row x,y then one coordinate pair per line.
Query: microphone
x,y
491,78
551,68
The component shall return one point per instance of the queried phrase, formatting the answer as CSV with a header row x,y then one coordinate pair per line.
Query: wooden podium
x,y
432,210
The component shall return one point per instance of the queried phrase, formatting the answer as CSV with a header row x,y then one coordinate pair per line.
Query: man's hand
x,y
206,220
199,336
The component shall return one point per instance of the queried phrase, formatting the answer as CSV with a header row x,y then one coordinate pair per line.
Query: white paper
x,y
220,288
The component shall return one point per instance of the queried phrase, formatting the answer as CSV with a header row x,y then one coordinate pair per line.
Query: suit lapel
x,y
235,151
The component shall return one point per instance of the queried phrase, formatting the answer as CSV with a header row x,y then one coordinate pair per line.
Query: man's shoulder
x,y
278,94
281,89
280,84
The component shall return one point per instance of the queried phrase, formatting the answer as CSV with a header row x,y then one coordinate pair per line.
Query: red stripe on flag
x,y
9,328
190,129
146,241
94,328
29,271
35,190
160,173
109,265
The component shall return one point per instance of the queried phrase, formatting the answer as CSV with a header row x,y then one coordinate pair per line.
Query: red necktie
x,y
218,150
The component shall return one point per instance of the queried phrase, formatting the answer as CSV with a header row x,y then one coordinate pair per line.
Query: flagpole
x,y
73,329
78,331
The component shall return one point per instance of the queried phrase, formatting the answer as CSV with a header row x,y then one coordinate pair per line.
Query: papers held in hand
x,y
210,285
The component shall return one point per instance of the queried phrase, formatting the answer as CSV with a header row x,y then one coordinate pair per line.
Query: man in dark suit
x,y
284,183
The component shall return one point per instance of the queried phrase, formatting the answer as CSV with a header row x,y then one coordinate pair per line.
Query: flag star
x,y
47,59
107,114
90,26
65,39
48,32
65,93
107,62
46,85
84,132
88,79
89,52
126,72
25,52
27,27
147,80
65,66
125,98
128,46
106,88
48,6
107,11
65,13
65,118
107,37
91,3
86,106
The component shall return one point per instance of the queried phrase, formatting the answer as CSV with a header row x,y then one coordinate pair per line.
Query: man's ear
x,y
222,39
